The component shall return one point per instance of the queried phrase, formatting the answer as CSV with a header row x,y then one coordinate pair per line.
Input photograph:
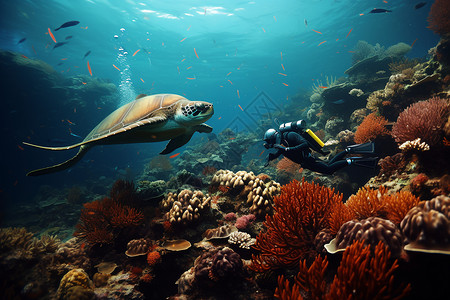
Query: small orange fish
x,y
75,110
183,59
321,43
178,70
349,33
228,73
230,81
99,107
84,82
34,50
219,118
285,84
275,18
190,78
263,29
182,40
142,80
282,74
116,67
196,53
361,14
261,153
281,55
240,107
63,58
238,94
51,35
24,56
136,52
316,31
188,68
232,138
175,155
89,68
189,28
91,213
20,147
413,43
71,123
323,87
283,67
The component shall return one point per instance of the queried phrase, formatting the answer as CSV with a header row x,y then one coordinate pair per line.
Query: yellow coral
x,y
73,278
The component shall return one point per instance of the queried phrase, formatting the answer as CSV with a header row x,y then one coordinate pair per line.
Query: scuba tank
x,y
299,127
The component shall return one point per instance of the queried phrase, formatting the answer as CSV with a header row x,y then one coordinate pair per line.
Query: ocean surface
x,y
223,52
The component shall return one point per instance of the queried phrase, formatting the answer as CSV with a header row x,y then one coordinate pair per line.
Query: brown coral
x,y
302,210
427,226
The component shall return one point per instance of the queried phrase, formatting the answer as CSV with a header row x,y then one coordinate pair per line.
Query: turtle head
x,y
194,112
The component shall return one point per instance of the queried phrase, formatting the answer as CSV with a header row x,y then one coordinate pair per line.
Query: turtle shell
x,y
144,110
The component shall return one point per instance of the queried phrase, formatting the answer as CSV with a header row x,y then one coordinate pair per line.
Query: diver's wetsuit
x,y
299,152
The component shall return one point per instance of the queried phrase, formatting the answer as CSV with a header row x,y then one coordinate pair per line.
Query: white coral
x,y
356,92
242,239
414,145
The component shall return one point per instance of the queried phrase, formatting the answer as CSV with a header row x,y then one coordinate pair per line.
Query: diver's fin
x,y
366,148
61,166
367,162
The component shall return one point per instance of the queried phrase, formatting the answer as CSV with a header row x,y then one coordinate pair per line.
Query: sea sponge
x,y
371,231
186,206
75,277
218,265
427,226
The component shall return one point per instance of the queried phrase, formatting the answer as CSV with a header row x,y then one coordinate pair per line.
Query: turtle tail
x,y
54,148
61,166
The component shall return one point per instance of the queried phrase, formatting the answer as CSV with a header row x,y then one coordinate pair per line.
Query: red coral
x,y
302,210
371,127
153,258
100,219
424,120
439,17
288,166
368,203
360,275
123,192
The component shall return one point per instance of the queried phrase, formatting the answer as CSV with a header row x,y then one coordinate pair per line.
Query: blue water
x,y
241,46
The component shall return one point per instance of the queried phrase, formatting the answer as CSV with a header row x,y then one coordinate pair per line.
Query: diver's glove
x,y
280,147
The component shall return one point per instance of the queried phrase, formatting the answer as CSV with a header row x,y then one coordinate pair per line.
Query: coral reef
x,y
302,210
74,278
186,206
424,120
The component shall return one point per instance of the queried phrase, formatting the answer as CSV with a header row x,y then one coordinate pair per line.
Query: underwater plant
x,y
302,210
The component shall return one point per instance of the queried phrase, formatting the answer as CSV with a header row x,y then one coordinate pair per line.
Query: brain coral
x,y
371,231
218,264
427,226
73,278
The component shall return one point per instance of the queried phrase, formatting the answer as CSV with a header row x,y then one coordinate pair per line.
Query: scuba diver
x,y
295,142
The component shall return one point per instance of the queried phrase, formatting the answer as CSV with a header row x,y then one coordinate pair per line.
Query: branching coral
x,y
301,211
371,127
100,220
439,17
186,206
368,203
424,119
360,275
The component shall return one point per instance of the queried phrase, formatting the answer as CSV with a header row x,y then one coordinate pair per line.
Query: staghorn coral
x,y
424,120
186,206
416,145
362,274
439,17
102,220
301,211
371,127
75,277
427,226
370,231
241,239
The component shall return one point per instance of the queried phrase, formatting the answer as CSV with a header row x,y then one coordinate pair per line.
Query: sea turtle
x,y
147,119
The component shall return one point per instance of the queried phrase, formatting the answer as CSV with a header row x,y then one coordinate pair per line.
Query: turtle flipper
x,y
203,128
61,166
55,148
177,142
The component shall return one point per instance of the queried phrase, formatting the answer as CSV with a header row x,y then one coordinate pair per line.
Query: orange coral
x,y
153,258
287,165
371,127
301,211
360,275
439,17
147,278
368,203
378,203
340,214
